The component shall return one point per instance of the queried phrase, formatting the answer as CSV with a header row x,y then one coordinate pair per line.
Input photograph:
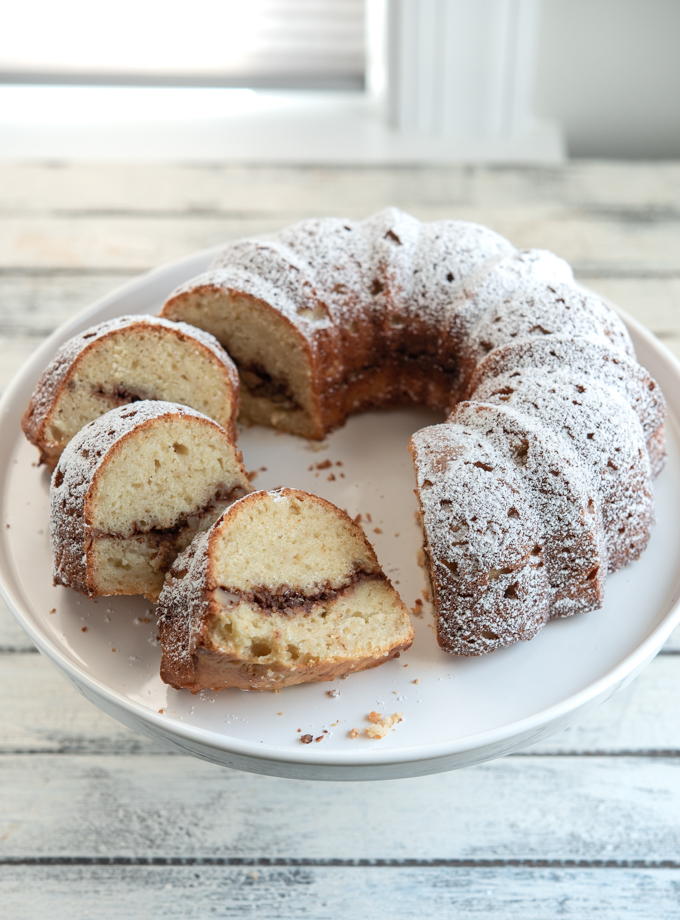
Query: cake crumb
x,y
314,446
381,726
333,693
358,519
280,713
374,717
320,738
113,650
324,465
331,477
417,609
252,475
306,739
377,530
84,629
53,610
369,518
354,733
415,681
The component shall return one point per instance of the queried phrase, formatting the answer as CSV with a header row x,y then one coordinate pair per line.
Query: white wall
x,y
609,72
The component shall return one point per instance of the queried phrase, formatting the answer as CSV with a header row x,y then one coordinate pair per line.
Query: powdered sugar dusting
x,y
75,473
61,365
184,604
481,530
538,484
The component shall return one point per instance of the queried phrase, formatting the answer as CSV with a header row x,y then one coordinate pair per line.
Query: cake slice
x,y
130,492
485,545
283,589
122,361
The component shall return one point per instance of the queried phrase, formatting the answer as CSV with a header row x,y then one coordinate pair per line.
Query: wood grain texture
x,y
37,303
14,351
554,808
12,636
622,188
370,893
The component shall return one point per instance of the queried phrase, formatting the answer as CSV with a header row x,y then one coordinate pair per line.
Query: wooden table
x,y
96,822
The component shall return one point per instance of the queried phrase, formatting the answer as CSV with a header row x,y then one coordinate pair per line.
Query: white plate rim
x,y
529,725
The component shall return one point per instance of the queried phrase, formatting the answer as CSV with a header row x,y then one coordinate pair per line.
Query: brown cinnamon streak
x,y
290,601
222,496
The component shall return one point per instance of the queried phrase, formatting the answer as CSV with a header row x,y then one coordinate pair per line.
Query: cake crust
x,y
59,378
76,532
200,652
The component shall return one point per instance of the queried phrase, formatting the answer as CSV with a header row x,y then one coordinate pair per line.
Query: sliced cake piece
x,y
122,361
485,545
130,492
283,589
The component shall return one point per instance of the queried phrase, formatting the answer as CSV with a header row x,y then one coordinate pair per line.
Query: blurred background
x,y
329,81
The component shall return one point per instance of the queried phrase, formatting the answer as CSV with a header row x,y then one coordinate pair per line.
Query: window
x,y
287,44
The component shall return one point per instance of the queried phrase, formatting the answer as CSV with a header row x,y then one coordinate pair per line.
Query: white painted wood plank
x,y
231,189
617,186
135,244
14,351
370,893
596,245
35,305
523,807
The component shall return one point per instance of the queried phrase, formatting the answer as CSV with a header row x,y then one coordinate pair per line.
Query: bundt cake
x,y
539,483
283,589
122,361
130,492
